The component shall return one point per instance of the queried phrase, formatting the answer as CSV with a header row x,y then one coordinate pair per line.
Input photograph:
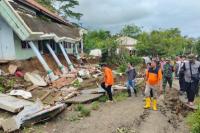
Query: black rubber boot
x,y
129,92
135,91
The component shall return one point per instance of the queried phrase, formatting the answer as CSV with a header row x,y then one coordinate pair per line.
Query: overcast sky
x,y
151,14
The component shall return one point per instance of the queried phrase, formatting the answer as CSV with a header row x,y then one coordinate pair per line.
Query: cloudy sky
x,y
151,14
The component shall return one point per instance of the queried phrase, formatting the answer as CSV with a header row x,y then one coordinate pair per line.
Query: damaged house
x,y
27,29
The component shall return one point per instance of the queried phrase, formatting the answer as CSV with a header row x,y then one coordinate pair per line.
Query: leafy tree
x,y
167,42
130,31
102,40
63,7
96,39
197,46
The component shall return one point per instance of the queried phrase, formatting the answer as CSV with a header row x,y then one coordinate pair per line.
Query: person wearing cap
x,y
153,82
108,80
191,69
168,70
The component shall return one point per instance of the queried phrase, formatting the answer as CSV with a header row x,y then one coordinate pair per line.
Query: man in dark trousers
x,y
108,81
191,71
168,70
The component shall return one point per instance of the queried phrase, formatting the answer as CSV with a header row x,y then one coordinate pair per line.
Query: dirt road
x,y
127,116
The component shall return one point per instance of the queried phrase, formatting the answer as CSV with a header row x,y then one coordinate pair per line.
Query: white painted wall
x,y
7,47
22,54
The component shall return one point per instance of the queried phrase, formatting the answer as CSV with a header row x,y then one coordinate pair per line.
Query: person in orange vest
x,y
108,81
153,82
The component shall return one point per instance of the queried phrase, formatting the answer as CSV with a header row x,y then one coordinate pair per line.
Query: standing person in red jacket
x,y
108,80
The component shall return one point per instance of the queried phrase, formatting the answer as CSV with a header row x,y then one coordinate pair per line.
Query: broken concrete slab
x,y
36,79
83,98
92,91
119,87
14,123
12,104
32,115
22,93
10,125
12,69
84,73
45,114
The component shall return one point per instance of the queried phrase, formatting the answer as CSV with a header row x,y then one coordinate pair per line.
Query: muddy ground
x,y
127,116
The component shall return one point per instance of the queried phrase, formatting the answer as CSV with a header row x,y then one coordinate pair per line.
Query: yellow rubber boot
x,y
155,105
147,103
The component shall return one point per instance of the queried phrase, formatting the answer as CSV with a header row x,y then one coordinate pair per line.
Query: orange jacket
x,y
153,76
108,76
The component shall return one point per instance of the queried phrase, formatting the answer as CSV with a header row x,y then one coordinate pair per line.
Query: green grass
x,y
193,119
76,84
103,99
197,101
84,112
121,96
95,105
79,107
73,118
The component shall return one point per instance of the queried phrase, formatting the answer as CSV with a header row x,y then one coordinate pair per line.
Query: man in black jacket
x,y
131,75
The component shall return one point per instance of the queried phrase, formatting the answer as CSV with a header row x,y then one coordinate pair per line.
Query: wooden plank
x,y
12,104
83,98
31,88
45,95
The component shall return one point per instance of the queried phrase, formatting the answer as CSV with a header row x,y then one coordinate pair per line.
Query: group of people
x,y
158,74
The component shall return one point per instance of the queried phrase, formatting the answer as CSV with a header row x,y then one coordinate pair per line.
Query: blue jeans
x,y
131,85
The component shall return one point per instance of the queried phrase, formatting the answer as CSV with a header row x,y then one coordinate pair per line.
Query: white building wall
x,y
7,47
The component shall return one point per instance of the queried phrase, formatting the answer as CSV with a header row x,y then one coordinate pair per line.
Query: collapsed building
x,y
27,29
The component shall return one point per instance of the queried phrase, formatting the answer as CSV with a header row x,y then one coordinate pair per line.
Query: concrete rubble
x,y
12,69
35,78
31,114
12,104
22,88
22,93
83,73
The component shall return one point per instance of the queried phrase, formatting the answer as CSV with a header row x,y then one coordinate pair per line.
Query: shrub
x,y
122,68
95,105
135,60
194,121
103,99
79,107
85,112
121,96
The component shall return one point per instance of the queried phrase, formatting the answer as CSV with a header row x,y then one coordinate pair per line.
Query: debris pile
x,y
30,97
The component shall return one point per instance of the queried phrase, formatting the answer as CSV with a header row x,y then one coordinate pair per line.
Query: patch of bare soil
x,y
127,116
